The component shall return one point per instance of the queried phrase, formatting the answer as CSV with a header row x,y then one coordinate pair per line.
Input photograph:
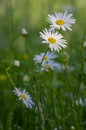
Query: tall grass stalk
x,y
11,20
39,104
9,121
9,77
1,126
41,119
27,47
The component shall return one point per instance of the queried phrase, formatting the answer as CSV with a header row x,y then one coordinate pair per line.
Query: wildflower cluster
x,y
54,39
46,60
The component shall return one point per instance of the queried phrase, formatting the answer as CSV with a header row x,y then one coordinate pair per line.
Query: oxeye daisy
x,y
61,20
45,57
24,96
50,65
55,40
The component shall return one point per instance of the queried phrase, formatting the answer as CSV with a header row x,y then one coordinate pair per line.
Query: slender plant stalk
x,y
68,84
66,77
39,103
40,108
60,106
11,21
9,77
27,47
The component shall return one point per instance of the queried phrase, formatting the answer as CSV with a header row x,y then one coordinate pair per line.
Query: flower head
x,y
46,58
24,96
72,127
80,101
16,63
50,65
55,40
61,20
24,32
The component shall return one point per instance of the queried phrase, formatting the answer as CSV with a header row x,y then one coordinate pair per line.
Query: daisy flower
x,y
61,20
46,58
24,96
55,40
50,65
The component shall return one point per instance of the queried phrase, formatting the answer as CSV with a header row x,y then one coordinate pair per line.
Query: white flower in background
x,y
45,57
84,44
72,127
24,96
46,66
80,102
55,129
54,40
16,63
61,20
26,78
24,32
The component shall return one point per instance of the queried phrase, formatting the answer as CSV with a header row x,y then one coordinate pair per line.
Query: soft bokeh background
x,y
32,15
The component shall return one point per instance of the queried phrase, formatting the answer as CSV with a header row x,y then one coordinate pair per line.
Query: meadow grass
x,y
49,95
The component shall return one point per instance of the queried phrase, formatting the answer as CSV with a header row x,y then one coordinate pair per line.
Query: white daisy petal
x,y
24,96
50,65
46,58
54,39
61,20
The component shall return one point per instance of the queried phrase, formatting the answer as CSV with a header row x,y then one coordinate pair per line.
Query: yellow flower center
x,y
60,22
47,66
23,96
45,58
52,40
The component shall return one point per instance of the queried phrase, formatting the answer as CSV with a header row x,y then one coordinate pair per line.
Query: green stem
x,y
11,20
44,56
67,81
27,48
9,77
62,112
39,103
43,59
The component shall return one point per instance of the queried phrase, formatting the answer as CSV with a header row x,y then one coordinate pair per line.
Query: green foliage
x,y
59,96
1,126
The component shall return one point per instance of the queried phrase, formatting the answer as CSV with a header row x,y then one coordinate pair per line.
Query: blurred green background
x,y
32,15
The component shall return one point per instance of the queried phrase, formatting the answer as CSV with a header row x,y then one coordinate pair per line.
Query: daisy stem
x,y
9,77
55,95
43,58
39,103
40,108
69,87
27,48
65,71
14,38
62,112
